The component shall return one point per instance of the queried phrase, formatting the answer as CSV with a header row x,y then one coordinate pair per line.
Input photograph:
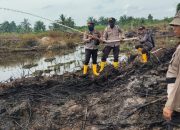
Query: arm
x,y
105,35
174,95
175,65
86,38
144,39
121,35
173,101
99,36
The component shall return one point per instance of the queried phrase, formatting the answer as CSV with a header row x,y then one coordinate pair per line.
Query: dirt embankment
x,y
54,40
130,98
38,42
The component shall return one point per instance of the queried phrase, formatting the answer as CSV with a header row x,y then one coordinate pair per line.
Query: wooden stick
x,y
120,40
144,105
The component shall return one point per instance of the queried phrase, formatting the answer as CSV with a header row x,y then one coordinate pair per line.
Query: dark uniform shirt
x,y
146,39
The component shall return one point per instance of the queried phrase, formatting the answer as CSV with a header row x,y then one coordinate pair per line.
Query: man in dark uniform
x,y
146,43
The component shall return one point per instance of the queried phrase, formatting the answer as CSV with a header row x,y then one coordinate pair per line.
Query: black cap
x,y
112,19
90,22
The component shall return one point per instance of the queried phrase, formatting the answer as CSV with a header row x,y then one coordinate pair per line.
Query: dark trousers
x,y
88,54
175,121
107,50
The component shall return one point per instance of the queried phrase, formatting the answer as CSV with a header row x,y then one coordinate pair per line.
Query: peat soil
x,y
130,98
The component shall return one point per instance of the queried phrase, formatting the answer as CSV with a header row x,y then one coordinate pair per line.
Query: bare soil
x,y
130,98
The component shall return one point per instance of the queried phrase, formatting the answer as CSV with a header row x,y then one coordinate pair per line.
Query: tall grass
x,y
16,40
67,38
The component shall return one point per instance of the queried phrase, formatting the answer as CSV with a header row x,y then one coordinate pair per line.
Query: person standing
x,y
91,39
171,111
111,37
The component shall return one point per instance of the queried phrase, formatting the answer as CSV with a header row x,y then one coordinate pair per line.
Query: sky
x,y
80,10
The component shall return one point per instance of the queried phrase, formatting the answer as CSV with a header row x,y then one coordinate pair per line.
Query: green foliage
x,y
100,27
92,19
64,21
25,26
168,20
39,27
7,27
102,21
178,7
13,27
127,22
150,17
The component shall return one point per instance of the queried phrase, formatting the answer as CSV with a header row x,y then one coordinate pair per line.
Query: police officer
x,y
111,37
91,48
171,110
146,43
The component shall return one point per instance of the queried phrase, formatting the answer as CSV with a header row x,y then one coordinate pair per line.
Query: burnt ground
x,y
130,98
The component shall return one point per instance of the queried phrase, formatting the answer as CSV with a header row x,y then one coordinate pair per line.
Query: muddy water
x,y
12,66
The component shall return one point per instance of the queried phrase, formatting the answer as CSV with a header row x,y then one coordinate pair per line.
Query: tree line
x,y
129,20
39,26
23,27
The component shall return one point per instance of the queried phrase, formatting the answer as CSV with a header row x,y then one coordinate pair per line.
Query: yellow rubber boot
x,y
139,50
144,58
94,67
116,65
102,66
85,69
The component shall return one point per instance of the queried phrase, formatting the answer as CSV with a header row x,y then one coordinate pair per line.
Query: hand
x,y
167,113
95,38
122,39
91,37
137,38
102,40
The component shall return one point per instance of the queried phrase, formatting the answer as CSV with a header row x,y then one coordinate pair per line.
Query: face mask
x,y
111,25
91,28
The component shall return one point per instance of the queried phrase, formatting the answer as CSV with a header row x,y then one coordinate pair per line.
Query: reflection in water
x,y
64,61
12,66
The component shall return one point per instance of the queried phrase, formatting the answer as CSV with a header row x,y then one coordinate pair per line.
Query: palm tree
x,y
26,26
39,26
